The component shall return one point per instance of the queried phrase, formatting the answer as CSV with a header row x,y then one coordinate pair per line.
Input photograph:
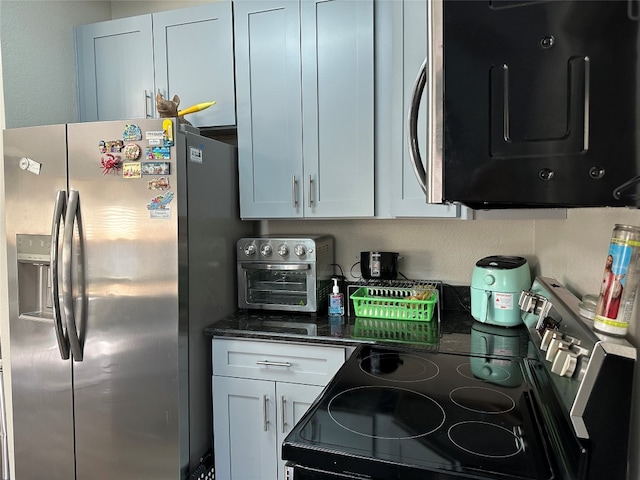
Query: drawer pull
x,y
273,364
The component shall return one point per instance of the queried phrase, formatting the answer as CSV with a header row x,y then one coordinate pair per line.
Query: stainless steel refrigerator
x,y
120,250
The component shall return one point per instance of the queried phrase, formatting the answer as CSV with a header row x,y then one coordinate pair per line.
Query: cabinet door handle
x,y
294,192
265,412
273,364
147,99
310,191
283,403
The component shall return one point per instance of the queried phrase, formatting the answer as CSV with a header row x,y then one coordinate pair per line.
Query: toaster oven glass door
x,y
286,285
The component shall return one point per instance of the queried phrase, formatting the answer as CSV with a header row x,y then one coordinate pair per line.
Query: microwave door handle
x,y
412,127
59,211
73,217
271,266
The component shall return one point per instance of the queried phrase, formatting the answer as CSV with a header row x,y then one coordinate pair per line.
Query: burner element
x,y
472,438
386,412
399,367
482,400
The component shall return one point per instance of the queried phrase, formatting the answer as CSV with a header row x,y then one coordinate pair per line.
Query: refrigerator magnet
x,y
167,129
158,153
154,137
110,164
131,151
131,170
161,183
132,133
111,146
156,168
159,205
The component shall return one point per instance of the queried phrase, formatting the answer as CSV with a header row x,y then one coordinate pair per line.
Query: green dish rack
x,y
394,303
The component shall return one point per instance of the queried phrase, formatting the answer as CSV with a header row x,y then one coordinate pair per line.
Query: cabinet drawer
x,y
276,361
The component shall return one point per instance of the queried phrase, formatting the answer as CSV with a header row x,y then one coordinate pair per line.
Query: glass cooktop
x,y
394,413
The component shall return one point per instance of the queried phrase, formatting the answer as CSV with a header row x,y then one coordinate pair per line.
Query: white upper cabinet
x,y
304,89
187,52
193,52
115,69
401,47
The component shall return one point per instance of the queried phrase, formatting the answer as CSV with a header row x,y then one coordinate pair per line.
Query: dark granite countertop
x,y
452,329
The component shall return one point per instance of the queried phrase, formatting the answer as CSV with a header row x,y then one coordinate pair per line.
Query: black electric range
x,y
400,412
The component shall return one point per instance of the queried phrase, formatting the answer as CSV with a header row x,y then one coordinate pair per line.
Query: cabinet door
x,y
293,401
338,107
115,69
244,429
402,63
193,54
267,41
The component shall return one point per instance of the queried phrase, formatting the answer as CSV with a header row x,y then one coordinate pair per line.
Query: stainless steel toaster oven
x,y
291,273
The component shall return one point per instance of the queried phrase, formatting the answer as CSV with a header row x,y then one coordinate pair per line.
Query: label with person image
x,y
619,281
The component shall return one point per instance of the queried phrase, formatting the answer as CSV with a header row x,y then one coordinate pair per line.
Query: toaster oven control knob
x,y
266,250
283,250
250,249
300,250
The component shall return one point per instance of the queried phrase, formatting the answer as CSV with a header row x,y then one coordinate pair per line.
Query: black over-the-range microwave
x,y
531,103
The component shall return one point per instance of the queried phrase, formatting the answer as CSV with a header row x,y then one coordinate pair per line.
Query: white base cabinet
x,y
255,416
260,391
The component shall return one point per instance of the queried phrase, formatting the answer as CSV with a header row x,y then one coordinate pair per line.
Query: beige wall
x,y
39,58
444,249
121,9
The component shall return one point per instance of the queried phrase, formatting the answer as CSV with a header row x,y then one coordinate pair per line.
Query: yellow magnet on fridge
x,y
167,127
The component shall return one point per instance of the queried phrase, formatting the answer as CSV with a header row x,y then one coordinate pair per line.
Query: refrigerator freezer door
x,y
126,386
35,170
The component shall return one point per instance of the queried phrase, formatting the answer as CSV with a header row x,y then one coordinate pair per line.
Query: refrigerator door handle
x,y
72,219
59,211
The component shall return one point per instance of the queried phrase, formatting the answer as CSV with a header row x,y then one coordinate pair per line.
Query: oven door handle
x,y
275,266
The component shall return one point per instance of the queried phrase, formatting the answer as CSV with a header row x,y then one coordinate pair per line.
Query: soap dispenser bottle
x,y
336,303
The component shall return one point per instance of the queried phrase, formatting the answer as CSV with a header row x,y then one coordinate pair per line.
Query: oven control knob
x,y
250,249
554,347
565,363
549,335
266,250
283,250
300,250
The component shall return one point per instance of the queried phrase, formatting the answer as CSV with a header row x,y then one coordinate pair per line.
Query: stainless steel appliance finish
x,y
488,144
110,369
4,439
284,273
584,383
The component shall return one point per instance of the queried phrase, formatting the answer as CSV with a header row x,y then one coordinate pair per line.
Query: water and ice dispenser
x,y
34,279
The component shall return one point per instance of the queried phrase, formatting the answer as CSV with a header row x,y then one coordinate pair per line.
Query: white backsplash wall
x,y
442,249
